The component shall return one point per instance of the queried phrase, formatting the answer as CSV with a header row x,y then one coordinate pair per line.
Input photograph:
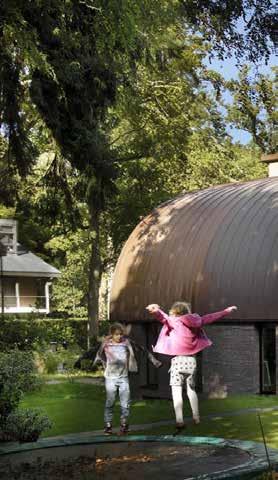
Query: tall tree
x,y
74,56
254,108
80,52
245,28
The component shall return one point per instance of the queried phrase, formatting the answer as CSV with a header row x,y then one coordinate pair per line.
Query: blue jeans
x,y
112,385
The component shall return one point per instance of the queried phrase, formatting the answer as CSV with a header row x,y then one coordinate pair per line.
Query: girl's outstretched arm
x,y
161,316
213,317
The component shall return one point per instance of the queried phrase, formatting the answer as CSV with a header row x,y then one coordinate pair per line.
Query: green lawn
x,y
75,407
243,427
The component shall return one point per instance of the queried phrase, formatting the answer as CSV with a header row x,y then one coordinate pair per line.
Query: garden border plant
x,y
17,376
28,331
25,331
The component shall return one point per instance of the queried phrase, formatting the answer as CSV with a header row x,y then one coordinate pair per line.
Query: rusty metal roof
x,y
214,247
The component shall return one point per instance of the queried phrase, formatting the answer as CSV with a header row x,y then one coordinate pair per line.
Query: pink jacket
x,y
183,335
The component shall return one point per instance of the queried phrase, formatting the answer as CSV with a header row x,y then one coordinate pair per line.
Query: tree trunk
x,y
95,271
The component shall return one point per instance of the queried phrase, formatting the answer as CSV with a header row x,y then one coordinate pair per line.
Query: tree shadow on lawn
x,y
75,407
240,427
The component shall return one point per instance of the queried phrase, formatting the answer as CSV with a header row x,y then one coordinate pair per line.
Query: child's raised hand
x,y
232,309
153,307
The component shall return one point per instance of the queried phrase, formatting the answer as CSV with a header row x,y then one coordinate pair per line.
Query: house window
x,y
268,359
9,292
40,292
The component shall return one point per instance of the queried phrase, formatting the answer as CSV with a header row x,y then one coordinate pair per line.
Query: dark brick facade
x,y
232,363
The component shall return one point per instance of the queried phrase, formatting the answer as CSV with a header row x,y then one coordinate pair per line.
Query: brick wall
x,y
232,363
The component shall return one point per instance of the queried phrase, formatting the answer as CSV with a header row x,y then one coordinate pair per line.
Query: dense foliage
x,y
107,109
30,334
17,376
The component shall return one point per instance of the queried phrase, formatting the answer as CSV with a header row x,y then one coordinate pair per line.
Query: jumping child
x,y
182,336
117,355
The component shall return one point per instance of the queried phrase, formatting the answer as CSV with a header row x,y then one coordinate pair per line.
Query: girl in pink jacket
x,y
182,336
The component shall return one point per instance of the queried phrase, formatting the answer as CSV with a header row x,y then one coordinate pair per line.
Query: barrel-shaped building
x,y
213,248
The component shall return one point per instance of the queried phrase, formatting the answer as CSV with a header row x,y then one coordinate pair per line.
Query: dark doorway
x,y
156,380
199,376
268,359
152,332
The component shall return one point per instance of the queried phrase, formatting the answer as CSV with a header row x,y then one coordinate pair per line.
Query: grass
x,y
72,407
64,377
76,407
243,427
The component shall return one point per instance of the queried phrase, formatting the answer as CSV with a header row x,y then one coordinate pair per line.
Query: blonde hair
x,y
180,308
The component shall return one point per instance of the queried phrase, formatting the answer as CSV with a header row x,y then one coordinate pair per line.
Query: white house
x,y
24,277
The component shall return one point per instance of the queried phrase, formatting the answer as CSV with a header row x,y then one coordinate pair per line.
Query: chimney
x,y
8,235
272,161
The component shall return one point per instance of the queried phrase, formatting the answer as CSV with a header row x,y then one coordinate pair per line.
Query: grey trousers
x,y
112,386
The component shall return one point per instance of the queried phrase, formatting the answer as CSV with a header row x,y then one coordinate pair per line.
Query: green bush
x,y
29,331
87,365
17,375
19,334
51,362
69,356
48,361
104,328
26,425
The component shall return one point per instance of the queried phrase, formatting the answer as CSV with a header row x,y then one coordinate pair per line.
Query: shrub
x,y
26,425
104,328
17,375
69,356
48,361
19,334
29,331
87,365
51,362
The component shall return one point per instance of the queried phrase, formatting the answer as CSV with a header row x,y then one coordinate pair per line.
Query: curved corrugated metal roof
x,y
213,247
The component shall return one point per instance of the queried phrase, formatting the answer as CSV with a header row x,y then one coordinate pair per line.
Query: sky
x,y
229,70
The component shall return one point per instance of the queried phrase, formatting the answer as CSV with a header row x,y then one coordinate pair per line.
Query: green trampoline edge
x,y
250,470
